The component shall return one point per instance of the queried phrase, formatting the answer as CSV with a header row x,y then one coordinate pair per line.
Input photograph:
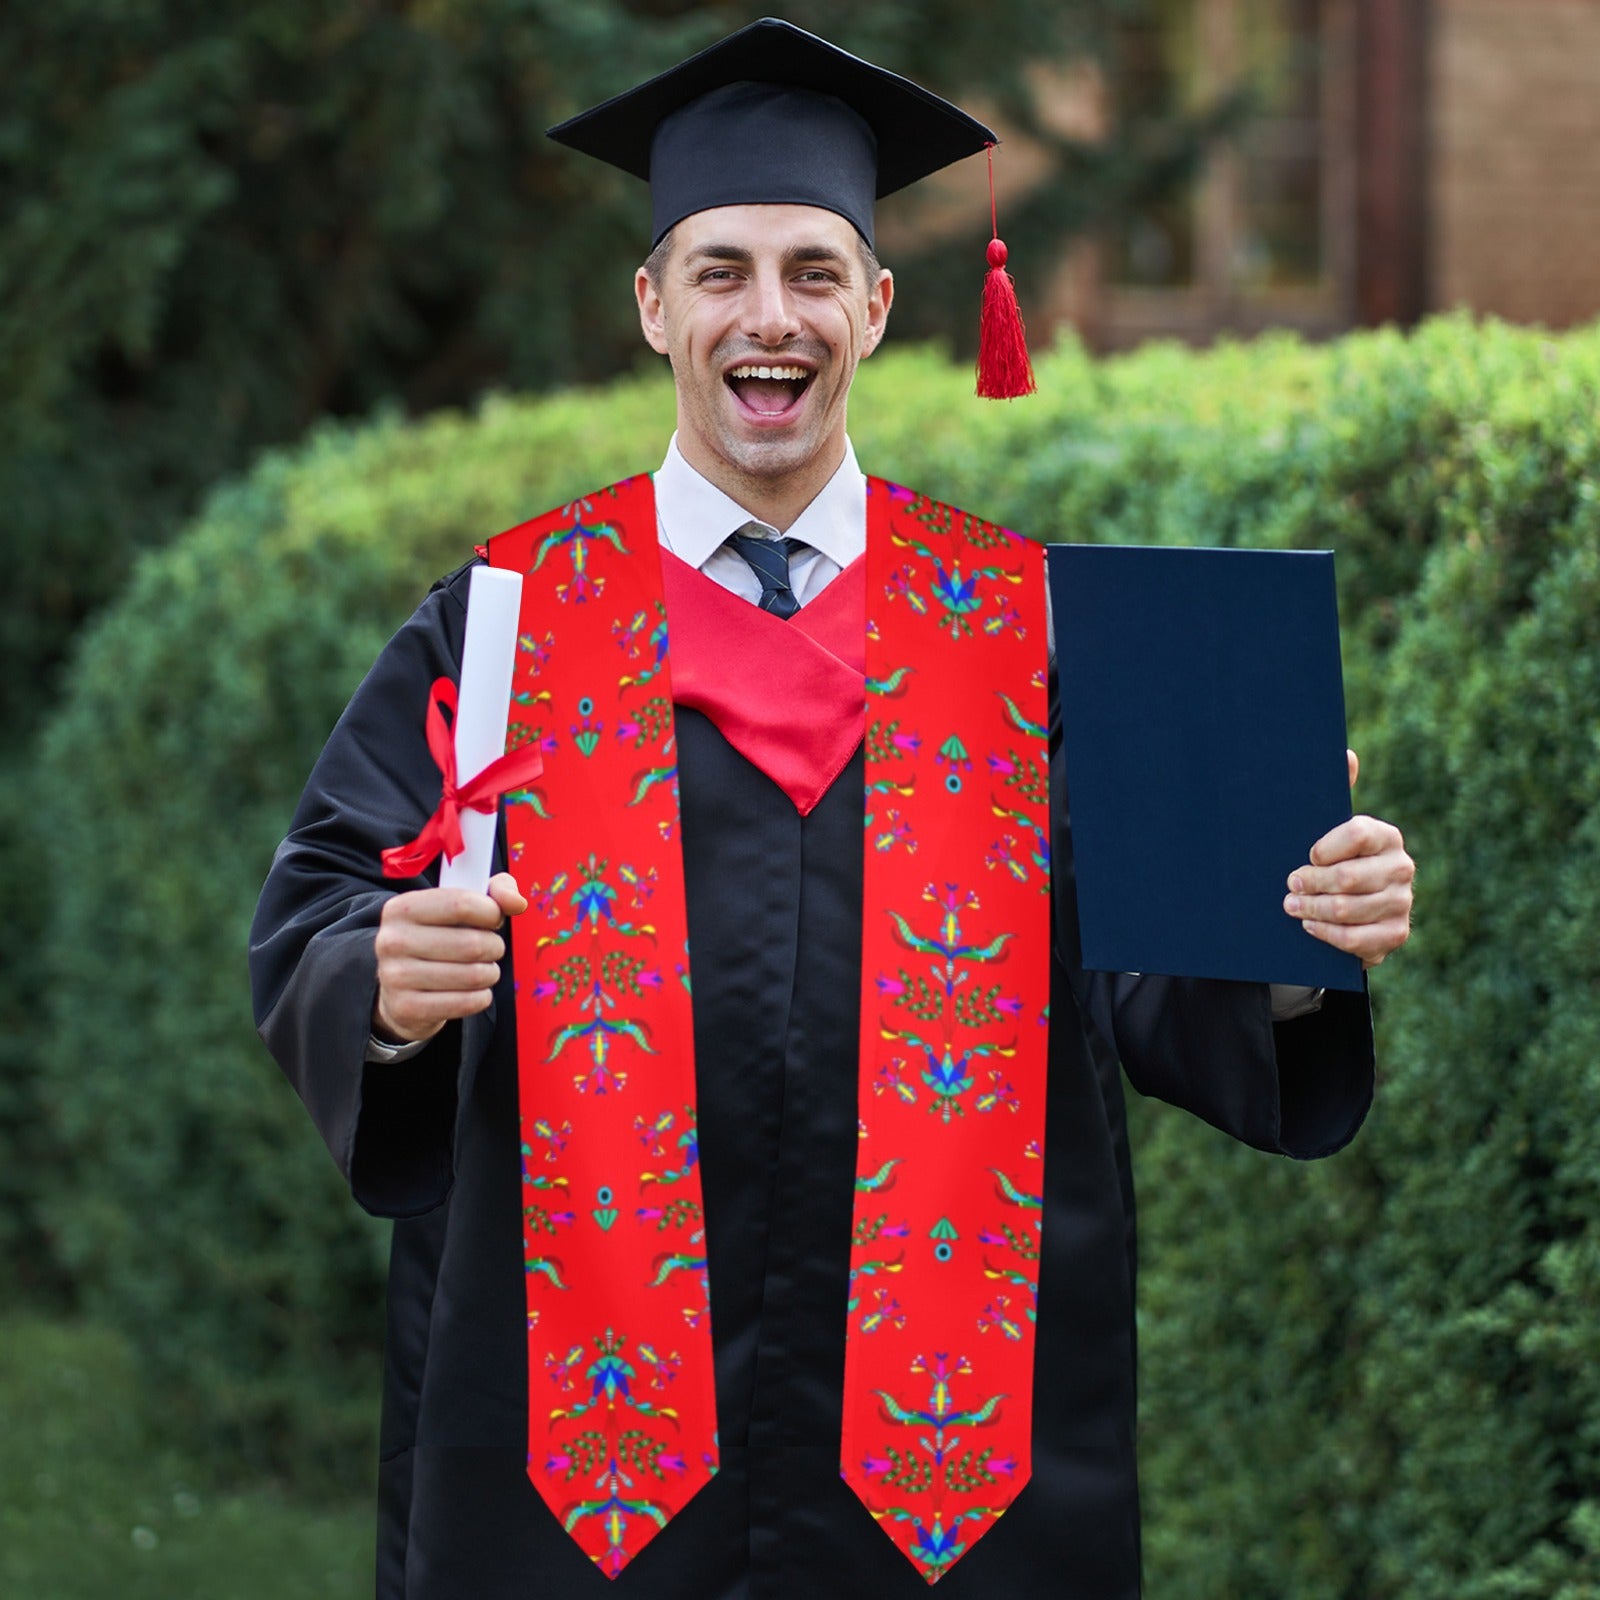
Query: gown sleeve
x,y
1300,1088
390,1127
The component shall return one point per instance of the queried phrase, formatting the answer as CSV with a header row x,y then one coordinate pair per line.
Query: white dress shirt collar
x,y
695,517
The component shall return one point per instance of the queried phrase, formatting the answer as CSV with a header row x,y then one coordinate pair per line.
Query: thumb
x,y
504,892
1354,762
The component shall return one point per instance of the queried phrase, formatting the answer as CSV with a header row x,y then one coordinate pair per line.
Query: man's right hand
x,y
439,952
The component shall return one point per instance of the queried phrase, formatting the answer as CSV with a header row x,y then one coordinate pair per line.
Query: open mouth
x,y
768,391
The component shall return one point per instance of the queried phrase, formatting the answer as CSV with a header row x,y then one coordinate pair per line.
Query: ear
x,y
879,300
652,315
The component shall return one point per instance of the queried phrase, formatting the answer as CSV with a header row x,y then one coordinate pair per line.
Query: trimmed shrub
x,y
1376,1377
195,1209
1369,1378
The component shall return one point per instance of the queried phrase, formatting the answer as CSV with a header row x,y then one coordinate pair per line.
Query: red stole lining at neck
x,y
789,696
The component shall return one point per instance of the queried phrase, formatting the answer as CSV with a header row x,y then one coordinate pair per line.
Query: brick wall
x,y
1514,177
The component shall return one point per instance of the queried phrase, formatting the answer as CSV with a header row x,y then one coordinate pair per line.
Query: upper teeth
x,y
768,372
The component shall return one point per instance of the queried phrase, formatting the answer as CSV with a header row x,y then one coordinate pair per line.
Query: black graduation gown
x,y
775,925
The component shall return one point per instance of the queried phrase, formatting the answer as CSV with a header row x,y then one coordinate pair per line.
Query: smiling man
x,y
727,292
809,1271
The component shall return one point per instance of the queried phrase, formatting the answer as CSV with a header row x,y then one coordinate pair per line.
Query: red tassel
x,y
1004,370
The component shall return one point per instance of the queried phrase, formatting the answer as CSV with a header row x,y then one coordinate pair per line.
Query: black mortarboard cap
x,y
774,115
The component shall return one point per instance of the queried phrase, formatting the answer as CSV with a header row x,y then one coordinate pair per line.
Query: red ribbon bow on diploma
x,y
442,831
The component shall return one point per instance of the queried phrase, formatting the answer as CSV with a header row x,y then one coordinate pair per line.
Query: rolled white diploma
x,y
494,603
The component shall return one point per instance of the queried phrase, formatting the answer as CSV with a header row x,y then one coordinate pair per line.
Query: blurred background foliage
x,y
258,266
218,224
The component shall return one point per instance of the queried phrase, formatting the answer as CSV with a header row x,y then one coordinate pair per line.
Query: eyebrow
x,y
795,255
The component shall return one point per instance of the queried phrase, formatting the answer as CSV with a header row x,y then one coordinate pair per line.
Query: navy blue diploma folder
x,y
1202,712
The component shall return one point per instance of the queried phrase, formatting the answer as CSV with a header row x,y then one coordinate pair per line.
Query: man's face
x,y
780,290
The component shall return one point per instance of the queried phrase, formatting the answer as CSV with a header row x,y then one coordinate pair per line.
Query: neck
x,y
776,500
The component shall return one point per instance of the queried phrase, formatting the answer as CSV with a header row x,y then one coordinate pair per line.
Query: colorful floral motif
x,y
938,1488
630,1471
954,976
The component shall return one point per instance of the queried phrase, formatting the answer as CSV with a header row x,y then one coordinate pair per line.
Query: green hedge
x,y
1378,1377
194,1207
1371,1378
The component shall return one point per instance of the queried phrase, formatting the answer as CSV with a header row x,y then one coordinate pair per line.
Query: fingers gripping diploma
x,y
1355,893
439,954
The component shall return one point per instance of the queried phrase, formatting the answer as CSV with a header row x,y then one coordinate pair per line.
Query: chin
x,y
771,458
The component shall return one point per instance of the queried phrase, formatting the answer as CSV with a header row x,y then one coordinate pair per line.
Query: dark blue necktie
x,y
769,560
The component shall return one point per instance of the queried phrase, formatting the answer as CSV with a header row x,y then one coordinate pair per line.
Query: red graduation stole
x,y
955,988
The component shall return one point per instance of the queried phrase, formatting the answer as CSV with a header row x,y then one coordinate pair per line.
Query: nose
x,y
771,318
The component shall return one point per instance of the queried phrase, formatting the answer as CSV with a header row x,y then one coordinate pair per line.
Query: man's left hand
x,y
1355,893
